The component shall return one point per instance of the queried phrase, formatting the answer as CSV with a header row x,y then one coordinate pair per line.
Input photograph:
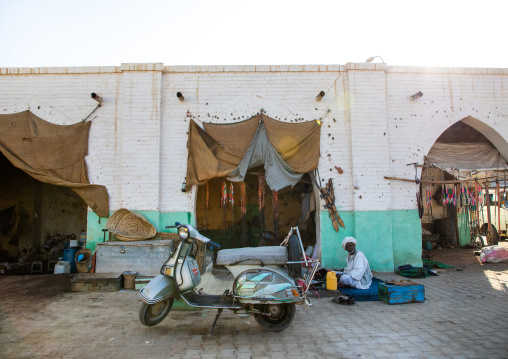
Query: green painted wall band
x,y
388,238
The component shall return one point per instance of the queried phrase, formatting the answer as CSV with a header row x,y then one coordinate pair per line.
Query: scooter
x,y
269,281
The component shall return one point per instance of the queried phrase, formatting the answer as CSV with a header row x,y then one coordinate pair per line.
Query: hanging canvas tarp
x,y
463,147
52,154
288,149
466,156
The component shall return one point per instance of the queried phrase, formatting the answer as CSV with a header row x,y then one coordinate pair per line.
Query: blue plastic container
x,y
69,255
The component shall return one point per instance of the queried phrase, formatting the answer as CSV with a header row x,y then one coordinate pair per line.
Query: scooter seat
x,y
270,255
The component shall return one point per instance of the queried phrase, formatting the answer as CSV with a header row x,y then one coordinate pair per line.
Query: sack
x,y
494,254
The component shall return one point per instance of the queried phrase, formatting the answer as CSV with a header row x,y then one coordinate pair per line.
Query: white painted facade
x,y
371,128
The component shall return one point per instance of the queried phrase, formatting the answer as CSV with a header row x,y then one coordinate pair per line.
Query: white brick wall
x,y
370,127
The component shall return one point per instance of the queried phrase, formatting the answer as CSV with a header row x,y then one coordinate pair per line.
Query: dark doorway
x,y
36,219
228,226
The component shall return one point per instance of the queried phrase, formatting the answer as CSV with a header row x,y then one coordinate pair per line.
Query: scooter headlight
x,y
166,270
183,232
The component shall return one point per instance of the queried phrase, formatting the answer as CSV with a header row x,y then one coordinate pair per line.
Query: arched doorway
x,y
461,168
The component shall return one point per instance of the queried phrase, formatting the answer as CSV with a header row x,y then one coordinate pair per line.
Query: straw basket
x,y
84,265
130,226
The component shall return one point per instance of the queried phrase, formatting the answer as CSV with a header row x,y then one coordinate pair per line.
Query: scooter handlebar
x,y
206,240
213,244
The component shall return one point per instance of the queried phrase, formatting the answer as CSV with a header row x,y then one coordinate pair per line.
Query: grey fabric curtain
x,y
261,152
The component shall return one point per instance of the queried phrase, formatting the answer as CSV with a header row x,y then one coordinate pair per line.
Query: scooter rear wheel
x,y
281,316
153,314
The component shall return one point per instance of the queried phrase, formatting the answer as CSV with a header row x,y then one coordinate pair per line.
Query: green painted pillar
x,y
463,224
407,238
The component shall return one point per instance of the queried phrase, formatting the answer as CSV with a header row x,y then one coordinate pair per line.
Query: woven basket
x,y
130,226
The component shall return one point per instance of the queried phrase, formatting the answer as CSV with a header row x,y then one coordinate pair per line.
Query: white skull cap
x,y
348,240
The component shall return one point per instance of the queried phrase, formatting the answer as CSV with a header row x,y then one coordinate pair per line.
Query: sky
x,y
56,33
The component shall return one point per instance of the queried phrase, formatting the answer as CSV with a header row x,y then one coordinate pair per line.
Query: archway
x,y
464,164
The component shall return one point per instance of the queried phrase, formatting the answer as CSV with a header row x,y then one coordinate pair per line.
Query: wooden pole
x,y
487,203
476,188
432,182
498,207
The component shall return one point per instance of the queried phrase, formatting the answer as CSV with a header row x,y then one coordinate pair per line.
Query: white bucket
x,y
73,243
62,267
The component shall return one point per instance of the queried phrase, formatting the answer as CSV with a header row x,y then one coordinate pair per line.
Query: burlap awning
x,y
218,149
52,154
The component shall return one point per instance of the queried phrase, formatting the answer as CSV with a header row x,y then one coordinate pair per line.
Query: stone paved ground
x,y
465,315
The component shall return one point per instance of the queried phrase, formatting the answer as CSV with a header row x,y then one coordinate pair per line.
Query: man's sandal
x,y
344,300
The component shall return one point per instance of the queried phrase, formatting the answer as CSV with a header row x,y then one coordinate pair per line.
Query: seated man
x,y
357,274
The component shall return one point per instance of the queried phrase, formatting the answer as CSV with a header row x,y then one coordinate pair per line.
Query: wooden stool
x,y
51,265
36,267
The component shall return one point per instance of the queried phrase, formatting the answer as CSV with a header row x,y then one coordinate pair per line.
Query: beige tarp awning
x,y
218,149
52,154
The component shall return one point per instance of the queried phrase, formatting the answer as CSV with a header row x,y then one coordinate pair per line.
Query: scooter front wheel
x,y
153,314
281,315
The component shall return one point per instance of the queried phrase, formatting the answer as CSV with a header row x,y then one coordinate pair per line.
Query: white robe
x,y
358,268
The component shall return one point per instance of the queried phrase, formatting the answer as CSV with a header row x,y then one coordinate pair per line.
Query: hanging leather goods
x,y
419,193
207,194
427,194
419,200
261,191
243,209
261,194
275,211
455,195
444,194
224,195
243,205
275,204
498,189
231,198
443,190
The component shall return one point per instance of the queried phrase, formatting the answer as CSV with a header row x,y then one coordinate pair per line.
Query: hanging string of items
x,y
243,208
224,196
261,195
231,200
419,196
428,193
207,197
223,204
275,210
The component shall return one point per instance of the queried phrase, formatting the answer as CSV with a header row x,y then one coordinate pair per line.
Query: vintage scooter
x,y
269,281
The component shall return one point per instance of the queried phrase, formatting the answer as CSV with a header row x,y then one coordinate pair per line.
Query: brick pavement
x,y
464,316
